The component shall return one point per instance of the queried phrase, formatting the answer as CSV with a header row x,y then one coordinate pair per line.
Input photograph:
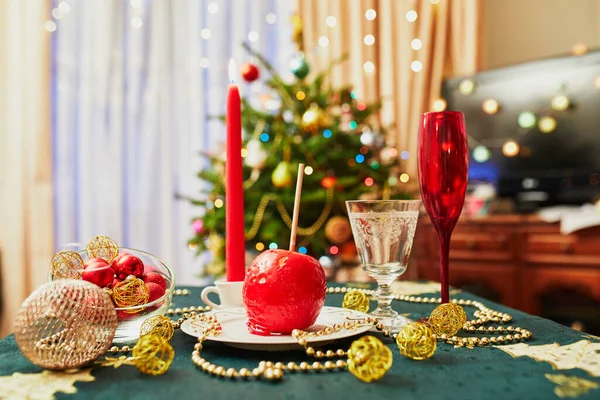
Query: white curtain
x,y
133,84
26,237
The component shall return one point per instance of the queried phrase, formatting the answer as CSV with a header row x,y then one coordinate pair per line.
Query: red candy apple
x,y
283,291
99,273
127,264
157,278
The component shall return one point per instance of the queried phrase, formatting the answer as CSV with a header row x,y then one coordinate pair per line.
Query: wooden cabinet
x,y
520,259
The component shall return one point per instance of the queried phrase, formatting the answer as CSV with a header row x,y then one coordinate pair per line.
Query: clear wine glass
x,y
443,168
383,232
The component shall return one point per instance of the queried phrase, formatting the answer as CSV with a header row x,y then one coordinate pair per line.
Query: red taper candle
x,y
234,194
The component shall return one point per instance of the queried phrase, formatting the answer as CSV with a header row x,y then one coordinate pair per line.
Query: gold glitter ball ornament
x,y
153,354
103,247
416,341
356,300
447,319
338,230
159,325
369,359
65,324
67,265
129,293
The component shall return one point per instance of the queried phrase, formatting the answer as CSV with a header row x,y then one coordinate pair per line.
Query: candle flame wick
x,y
232,70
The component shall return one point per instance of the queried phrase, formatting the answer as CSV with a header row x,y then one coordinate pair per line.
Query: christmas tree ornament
x,y
282,177
128,264
155,292
299,66
257,156
297,28
154,355
447,319
159,325
95,260
65,324
130,293
216,243
155,277
328,182
283,290
356,300
337,230
369,359
198,226
416,341
348,253
67,265
98,273
314,119
151,355
250,72
103,247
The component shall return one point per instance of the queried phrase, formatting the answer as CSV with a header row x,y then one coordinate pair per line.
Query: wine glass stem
x,y
444,239
385,295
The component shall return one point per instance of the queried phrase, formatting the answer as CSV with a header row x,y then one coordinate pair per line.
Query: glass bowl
x,y
131,318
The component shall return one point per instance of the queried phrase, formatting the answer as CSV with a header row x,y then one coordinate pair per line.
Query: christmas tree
x,y
332,132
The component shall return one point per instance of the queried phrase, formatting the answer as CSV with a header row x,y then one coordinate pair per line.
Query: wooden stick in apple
x,y
296,207
284,289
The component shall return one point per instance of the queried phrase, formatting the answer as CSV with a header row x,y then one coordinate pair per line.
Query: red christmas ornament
x,y
99,273
150,268
198,226
91,261
127,264
155,277
348,252
123,316
155,291
283,291
114,282
328,182
250,72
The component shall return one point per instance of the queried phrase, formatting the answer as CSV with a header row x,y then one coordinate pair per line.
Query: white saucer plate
x,y
235,332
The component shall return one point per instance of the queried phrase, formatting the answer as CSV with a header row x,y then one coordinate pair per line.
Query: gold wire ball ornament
x,y
447,319
153,354
356,300
65,324
67,265
103,247
369,359
159,325
129,293
416,341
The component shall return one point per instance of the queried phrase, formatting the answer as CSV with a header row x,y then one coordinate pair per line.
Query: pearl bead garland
x,y
275,371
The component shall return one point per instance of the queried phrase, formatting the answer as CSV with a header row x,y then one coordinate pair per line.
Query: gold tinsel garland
x,y
285,216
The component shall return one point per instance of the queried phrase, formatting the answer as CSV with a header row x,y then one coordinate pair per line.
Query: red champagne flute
x,y
443,168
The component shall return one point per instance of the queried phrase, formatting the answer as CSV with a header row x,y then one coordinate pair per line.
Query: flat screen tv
x,y
555,157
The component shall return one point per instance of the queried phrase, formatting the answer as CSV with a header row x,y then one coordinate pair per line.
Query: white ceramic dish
x,y
235,333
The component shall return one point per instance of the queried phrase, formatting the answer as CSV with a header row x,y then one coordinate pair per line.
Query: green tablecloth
x,y
453,373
